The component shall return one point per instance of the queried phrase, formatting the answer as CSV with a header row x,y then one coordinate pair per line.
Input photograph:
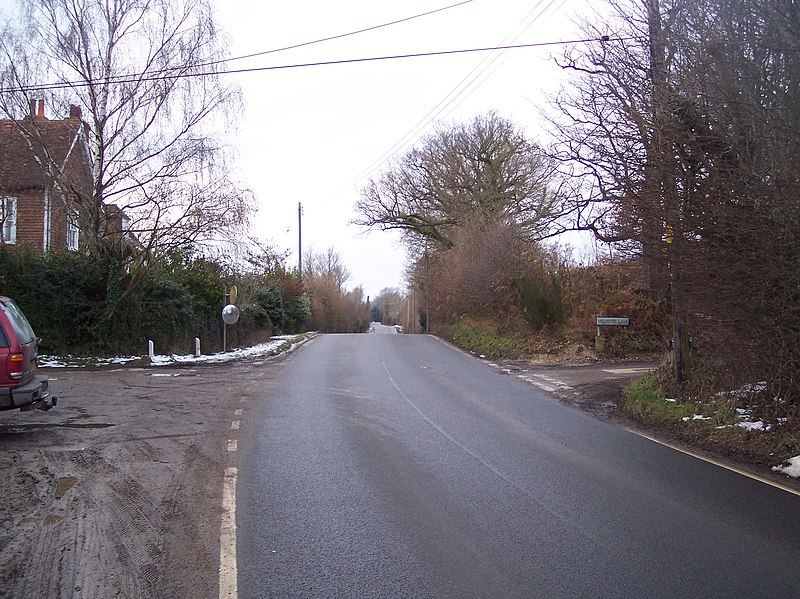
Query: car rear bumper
x,y
33,395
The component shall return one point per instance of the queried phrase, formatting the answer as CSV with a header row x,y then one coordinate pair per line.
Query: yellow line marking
x,y
714,462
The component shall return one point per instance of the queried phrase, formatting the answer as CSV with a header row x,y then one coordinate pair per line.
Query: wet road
x,y
395,466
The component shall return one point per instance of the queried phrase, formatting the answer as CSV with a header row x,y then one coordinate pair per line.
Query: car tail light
x,y
16,367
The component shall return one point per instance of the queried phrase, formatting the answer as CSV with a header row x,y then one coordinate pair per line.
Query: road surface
x,y
396,466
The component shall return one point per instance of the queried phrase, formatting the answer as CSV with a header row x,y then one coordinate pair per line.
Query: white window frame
x,y
48,221
8,219
73,232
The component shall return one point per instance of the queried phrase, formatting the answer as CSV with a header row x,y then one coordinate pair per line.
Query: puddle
x,y
52,519
65,483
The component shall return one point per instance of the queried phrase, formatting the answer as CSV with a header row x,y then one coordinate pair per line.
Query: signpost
x,y
608,321
230,313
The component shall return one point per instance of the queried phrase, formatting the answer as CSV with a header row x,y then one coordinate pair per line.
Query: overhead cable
x,y
159,76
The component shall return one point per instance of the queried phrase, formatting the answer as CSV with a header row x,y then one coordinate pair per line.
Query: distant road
x,y
376,327
395,466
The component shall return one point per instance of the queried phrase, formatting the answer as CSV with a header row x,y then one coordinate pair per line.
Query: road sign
x,y
230,314
609,321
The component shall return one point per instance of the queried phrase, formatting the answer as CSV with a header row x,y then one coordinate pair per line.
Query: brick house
x,y
45,166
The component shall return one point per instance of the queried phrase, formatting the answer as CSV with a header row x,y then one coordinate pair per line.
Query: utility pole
x,y
300,239
664,175
427,296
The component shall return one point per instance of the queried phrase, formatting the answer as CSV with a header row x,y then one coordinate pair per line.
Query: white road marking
x,y
634,370
238,412
235,425
233,445
227,538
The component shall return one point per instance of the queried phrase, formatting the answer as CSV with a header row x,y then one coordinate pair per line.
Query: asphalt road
x,y
395,466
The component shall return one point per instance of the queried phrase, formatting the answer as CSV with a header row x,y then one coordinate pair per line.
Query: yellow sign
x,y
233,294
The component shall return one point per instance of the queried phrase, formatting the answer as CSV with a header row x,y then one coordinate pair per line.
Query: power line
x,y
342,35
162,76
136,77
466,82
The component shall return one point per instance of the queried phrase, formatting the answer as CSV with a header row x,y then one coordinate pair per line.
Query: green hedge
x,y
80,306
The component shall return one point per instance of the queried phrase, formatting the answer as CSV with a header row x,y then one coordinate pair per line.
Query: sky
x,y
316,134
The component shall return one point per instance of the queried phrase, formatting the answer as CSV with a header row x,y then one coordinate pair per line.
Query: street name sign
x,y
608,321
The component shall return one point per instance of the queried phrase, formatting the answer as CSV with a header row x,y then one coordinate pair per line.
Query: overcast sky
x,y
315,134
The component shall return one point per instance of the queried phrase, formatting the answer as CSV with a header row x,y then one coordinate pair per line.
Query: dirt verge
x,y
116,491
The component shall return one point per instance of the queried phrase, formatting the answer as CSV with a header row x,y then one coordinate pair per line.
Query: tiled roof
x,y
19,168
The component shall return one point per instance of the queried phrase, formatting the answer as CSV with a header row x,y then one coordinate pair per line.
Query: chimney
x,y
40,112
75,112
33,107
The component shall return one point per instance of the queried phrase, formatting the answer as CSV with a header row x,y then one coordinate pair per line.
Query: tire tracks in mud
x,y
126,505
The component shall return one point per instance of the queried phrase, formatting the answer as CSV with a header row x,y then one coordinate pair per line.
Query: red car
x,y
20,387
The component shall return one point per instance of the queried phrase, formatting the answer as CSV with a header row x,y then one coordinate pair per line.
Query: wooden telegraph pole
x,y
661,170
300,240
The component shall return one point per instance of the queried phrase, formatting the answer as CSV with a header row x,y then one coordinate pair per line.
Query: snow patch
x,y
696,417
790,467
164,360
758,425
229,356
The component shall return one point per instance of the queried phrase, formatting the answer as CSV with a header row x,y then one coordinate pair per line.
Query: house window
x,y
8,219
72,231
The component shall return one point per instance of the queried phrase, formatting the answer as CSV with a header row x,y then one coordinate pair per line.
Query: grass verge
x,y
713,424
477,340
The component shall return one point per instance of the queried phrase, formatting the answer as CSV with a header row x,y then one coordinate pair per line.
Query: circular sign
x,y
230,314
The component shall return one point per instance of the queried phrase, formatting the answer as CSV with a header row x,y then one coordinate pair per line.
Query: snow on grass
x,y
271,347
262,349
69,361
758,425
791,467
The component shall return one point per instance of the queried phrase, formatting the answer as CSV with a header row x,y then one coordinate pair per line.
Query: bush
x,y
76,303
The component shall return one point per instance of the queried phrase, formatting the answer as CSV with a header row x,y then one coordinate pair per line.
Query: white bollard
x,y
197,346
151,350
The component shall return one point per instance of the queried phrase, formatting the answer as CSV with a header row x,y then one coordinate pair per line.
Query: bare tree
x,y
390,302
326,265
138,70
681,131
333,308
484,171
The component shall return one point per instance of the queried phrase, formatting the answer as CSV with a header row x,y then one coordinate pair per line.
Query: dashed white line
x,y
227,538
235,425
238,412
233,445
